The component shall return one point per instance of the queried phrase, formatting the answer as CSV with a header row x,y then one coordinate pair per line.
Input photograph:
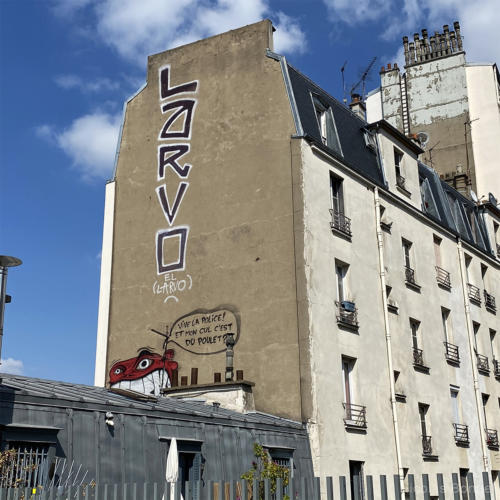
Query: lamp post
x,y
5,263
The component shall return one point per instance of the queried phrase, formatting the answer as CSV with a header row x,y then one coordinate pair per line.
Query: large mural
x,y
178,104
201,332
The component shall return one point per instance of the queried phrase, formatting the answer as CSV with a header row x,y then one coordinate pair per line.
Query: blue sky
x,y
66,68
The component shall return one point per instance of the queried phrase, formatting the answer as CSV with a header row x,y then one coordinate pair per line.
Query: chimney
x,y
453,42
456,25
358,106
425,51
405,46
412,53
446,32
418,55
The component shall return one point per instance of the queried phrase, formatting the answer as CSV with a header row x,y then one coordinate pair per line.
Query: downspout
x,y
380,244
472,352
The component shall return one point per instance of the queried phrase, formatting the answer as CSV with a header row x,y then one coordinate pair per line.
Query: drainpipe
x,y
380,242
472,352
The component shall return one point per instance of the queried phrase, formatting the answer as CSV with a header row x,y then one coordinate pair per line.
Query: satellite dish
x,y
474,196
423,138
492,199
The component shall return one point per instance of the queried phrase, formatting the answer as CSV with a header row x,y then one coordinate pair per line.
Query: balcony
x,y
340,223
489,302
496,368
451,353
347,314
443,278
354,416
461,434
410,278
474,294
492,439
426,445
483,365
418,360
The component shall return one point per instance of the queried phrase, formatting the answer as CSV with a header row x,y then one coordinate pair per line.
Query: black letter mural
x,y
167,91
180,232
176,151
185,107
169,213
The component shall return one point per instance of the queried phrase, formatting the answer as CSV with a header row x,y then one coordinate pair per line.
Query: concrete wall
x,y
238,208
484,103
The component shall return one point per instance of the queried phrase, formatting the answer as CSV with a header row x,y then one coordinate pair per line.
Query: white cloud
x,y
68,82
90,141
478,20
137,29
12,366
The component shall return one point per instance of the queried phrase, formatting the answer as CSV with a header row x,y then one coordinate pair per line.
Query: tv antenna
x,y
343,81
430,150
362,80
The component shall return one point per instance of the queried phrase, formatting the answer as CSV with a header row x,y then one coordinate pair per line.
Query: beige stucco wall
x,y
238,206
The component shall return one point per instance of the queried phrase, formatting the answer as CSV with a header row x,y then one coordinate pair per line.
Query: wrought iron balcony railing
x,y
451,352
354,415
347,314
461,434
474,293
340,222
489,301
496,368
418,357
443,277
410,276
492,438
482,363
400,181
426,445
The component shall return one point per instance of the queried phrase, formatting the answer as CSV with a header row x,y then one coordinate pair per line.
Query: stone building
x,y
249,207
450,104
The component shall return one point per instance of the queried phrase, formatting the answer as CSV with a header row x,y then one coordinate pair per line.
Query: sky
x,y
66,68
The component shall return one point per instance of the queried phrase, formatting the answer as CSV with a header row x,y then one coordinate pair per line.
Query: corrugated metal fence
x,y
318,489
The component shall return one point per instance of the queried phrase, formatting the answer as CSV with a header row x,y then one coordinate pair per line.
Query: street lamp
x,y
5,263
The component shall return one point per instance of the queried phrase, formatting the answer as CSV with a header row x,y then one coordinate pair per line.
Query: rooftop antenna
x,y
343,81
430,153
362,80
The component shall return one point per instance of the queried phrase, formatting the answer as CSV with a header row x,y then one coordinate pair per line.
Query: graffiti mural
x,y
148,372
178,106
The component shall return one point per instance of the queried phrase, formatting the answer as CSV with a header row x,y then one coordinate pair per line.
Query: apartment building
x,y
255,222
450,104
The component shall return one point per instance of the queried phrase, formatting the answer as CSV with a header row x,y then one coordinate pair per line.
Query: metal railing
x,y
354,415
482,363
443,277
340,222
461,434
418,357
400,181
496,368
410,275
489,301
492,438
474,293
426,445
347,314
382,487
451,352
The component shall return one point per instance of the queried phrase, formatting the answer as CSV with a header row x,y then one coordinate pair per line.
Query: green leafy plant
x,y
263,467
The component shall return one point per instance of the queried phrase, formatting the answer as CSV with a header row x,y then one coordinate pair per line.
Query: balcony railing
x,y
496,368
492,438
418,357
443,277
489,302
340,222
354,415
410,276
451,352
347,314
474,293
426,445
400,181
461,434
482,363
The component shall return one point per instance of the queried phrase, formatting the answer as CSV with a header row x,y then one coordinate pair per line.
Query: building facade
x,y
358,287
452,105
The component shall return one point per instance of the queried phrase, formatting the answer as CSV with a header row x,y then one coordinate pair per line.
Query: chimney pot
x,y
388,66
382,69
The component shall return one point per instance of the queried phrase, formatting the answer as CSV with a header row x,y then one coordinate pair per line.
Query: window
x,y
445,319
414,325
347,368
326,125
454,404
356,480
190,470
484,269
341,273
336,189
418,354
370,140
437,250
407,253
496,243
29,465
475,328
284,458
485,398
398,166
423,409
468,260
428,202
492,343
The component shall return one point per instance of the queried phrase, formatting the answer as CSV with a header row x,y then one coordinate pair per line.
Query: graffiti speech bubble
x,y
204,331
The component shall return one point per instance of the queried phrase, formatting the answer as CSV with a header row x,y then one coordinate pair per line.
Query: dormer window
x,y
370,140
326,125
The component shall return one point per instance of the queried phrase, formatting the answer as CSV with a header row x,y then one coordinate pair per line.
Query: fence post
x,y
267,489
411,486
456,487
369,487
244,489
440,486
397,487
221,491
187,486
279,488
343,493
383,487
355,486
303,489
210,486
232,491
470,485
486,484
316,488
425,483
329,488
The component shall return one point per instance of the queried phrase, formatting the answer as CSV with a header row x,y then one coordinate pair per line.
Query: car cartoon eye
x,y
144,363
118,370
